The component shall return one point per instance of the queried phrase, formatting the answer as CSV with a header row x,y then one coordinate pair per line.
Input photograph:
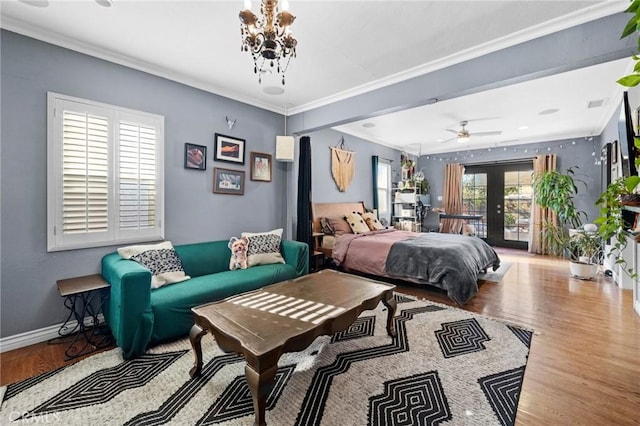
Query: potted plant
x,y
585,249
556,191
611,222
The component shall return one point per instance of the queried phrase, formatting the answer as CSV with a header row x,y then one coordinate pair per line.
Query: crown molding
x,y
29,30
580,17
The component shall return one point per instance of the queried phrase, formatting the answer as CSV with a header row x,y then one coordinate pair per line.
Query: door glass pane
x,y
517,205
474,199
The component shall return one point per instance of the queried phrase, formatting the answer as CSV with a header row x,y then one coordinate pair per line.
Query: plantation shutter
x,y
105,181
85,164
137,176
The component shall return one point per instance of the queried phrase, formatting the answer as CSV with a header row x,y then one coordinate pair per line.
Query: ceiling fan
x,y
463,134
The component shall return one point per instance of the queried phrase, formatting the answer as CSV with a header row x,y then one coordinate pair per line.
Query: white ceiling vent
x,y
595,104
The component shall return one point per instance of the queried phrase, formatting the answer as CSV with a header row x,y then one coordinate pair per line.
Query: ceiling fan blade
x,y
494,133
450,139
452,131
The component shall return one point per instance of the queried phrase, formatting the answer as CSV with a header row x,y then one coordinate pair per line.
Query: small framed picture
x,y
195,156
227,181
227,148
261,166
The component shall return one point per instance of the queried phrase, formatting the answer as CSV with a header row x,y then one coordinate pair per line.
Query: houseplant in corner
x,y
555,191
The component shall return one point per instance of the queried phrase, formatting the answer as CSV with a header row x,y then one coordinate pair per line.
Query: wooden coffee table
x,y
285,317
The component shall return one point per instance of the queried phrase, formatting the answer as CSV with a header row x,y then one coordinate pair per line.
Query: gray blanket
x,y
448,261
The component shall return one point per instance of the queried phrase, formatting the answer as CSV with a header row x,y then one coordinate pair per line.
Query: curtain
x,y
540,216
374,179
452,201
304,229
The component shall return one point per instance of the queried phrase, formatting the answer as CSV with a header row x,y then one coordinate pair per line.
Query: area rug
x,y
446,366
497,275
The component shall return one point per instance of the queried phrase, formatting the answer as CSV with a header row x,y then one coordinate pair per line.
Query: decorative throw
x,y
264,247
343,167
161,259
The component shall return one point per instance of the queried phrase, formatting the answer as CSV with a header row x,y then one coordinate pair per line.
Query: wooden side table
x,y
317,255
80,295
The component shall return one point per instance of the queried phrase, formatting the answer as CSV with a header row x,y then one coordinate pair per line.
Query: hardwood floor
x,y
584,364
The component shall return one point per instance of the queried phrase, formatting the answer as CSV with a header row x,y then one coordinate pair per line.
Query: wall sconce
x,y
285,148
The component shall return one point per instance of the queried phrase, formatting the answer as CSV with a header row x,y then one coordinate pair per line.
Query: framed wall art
x,y
261,166
227,181
227,148
195,156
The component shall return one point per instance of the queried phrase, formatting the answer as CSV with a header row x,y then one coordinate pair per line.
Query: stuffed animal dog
x,y
238,248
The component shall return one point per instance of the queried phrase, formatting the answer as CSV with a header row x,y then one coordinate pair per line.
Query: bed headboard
x,y
319,210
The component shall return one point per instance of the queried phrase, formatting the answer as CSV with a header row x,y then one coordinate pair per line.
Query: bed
x,y
447,261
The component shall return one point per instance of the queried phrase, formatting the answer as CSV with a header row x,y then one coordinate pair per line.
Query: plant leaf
x,y
630,80
630,28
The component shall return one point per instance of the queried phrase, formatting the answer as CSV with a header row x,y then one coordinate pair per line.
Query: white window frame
x,y
384,211
56,239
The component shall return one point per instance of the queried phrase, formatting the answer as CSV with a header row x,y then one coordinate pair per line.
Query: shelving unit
x,y
406,215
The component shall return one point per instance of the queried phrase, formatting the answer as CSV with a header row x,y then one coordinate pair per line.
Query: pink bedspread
x,y
367,252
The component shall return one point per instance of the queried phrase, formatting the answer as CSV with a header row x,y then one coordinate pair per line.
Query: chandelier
x,y
268,38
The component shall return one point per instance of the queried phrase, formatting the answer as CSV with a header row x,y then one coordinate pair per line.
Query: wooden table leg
x,y
195,336
391,305
260,384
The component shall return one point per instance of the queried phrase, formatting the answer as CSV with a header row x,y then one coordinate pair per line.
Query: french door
x,y
502,194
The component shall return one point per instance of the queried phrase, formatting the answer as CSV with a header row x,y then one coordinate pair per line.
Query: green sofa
x,y
140,317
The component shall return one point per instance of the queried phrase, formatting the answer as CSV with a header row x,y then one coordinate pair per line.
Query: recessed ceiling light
x,y
36,3
273,90
524,127
369,125
549,111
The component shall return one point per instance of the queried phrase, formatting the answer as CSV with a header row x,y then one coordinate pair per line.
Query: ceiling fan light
x,y
463,138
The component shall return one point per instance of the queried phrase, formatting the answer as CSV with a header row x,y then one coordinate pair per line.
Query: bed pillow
x,y
372,221
339,225
161,259
264,247
325,226
357,223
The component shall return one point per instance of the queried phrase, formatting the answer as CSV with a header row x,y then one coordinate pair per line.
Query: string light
x,y
478,153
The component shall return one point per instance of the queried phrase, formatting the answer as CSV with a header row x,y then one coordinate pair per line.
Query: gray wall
x,y
578,154
29,299
324,189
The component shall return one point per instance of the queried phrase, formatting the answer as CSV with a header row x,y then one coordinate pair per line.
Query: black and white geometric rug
x,y
447,366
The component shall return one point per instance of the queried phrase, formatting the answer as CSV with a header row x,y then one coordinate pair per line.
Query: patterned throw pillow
x,y
357,223
326,227
161,259
264,247
372,221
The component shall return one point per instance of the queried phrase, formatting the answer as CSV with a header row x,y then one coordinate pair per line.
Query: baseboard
x,y
28,338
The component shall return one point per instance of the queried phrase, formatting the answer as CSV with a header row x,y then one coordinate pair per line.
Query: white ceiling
x,y
346,48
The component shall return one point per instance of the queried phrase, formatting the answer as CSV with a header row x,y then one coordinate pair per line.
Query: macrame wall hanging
x,y
343,165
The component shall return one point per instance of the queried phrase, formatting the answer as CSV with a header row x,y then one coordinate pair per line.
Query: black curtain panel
x,y
305,225
374,179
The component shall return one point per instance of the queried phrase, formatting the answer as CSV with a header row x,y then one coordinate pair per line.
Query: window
x,y
384,188
105,174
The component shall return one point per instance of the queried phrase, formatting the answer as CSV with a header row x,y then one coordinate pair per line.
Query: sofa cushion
x,y
171,305
161,259
264,247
